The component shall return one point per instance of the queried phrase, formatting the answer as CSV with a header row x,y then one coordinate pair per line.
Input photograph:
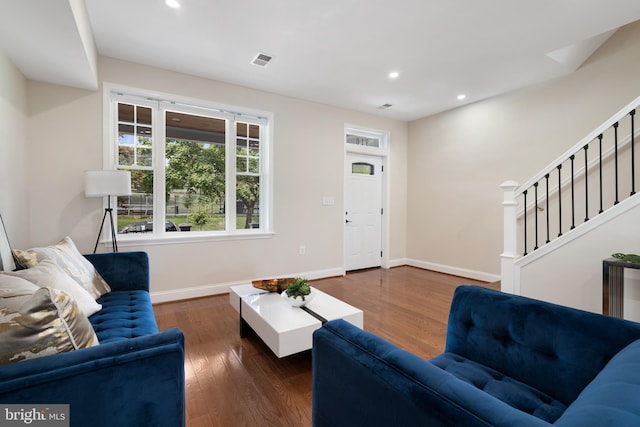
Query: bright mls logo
x,y
34,415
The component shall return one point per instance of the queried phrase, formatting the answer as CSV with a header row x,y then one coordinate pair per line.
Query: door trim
x,y
384,155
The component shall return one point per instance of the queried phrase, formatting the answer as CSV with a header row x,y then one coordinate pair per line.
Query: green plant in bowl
x,y
299,288
627,257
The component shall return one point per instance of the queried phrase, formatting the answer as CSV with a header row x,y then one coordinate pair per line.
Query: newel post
x,y
508,256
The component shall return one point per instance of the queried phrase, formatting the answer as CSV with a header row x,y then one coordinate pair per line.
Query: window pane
x,y
363,140
144,135
254,148
241,147
125,113
248,202
241,164
144,156
125,141
143,115
125,134
241,129
135,212
254,165
195,172
362,168
125,156
195,128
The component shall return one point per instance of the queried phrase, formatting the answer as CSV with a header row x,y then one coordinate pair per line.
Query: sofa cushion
x,y
66,255
514,393
611,399
46,322
48,274
124,315
508,332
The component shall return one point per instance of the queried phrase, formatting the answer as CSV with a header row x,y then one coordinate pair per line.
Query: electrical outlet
x,y
302,250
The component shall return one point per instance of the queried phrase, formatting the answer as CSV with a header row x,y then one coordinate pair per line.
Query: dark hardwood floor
x,y
239,382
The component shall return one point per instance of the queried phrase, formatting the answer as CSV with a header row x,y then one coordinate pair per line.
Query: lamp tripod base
x,y
114,243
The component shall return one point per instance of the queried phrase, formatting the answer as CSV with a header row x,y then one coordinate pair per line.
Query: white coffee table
x,y
285,329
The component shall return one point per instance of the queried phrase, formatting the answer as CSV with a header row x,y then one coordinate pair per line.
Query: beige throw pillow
x,y
43,323
14,287
48,274
67,256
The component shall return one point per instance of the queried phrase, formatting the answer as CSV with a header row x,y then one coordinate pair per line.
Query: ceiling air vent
x,y
261,60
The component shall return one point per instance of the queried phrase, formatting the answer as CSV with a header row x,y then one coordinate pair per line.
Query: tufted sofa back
x,y
556,349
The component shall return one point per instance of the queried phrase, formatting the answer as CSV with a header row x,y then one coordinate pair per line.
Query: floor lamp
x,y
107,183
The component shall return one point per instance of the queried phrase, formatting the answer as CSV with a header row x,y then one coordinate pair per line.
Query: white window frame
x,y
162,102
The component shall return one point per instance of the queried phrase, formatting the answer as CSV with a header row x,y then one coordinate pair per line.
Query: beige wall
x,y
445,170
458,159
13,152
66,139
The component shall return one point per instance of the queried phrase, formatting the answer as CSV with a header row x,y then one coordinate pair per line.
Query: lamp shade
x,y
107,183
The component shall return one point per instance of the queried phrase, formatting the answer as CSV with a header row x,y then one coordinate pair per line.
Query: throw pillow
x,y
46,322
48,274
14,287
67,256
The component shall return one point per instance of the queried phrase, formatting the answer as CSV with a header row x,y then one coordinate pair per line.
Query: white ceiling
x,y
337,52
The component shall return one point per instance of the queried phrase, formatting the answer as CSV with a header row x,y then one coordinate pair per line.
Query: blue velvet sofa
x,y
508,361
134,377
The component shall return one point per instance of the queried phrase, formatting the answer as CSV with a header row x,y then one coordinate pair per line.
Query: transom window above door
x,y
366,141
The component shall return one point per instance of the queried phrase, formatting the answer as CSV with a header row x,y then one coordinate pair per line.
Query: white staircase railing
x,y
612,167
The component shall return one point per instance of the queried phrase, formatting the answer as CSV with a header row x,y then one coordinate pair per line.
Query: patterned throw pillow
x,y
67,256
48,274
15,287
48,321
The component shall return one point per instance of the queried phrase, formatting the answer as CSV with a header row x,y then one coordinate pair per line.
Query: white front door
x,y
363,216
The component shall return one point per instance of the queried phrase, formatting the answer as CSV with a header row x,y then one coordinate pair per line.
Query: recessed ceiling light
x,y
394,75
462,96
173,4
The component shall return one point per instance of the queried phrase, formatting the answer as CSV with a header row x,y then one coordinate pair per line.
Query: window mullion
x,y
111,162
159,187
231,198
264,180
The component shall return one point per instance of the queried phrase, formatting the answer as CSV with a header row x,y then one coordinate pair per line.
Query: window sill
x,y
185,237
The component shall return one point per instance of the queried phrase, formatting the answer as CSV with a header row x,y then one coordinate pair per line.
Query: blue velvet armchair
x,y
508,361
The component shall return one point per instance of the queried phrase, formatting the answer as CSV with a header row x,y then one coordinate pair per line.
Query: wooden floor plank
x,y
239,382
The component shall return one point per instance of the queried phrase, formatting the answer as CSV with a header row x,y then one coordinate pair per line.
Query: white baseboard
x,y
192,292
223,288
397,262
456,271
